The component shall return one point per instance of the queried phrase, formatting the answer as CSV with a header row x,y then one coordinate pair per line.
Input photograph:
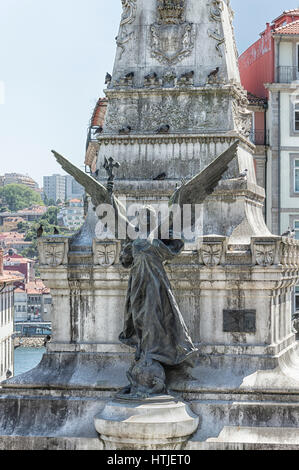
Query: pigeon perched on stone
x,y
243,174
287,233
214,73
151,76
188,75
160,177
163,129
108,78
56,231
129,76
125,130
99,130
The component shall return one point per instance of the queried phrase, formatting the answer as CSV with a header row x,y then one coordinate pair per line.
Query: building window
x,y
297,298
296,228
296,117
296,176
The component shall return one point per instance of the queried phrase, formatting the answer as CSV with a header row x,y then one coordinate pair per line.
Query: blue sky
x,y
54,56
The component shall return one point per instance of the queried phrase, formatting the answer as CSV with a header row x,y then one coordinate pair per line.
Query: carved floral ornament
x,y
265,254
274,251
128,17
211,254
216,33
54,253
216,10
106,253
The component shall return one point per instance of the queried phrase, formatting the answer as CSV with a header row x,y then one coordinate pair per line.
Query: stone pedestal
x,y
153,423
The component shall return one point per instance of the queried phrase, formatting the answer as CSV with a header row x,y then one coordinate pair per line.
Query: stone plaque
x,y
239,321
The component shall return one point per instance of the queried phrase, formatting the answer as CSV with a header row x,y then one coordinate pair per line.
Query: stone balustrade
x,y
213,250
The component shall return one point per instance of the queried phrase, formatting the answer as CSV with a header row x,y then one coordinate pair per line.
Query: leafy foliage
x,y
49,221
18,196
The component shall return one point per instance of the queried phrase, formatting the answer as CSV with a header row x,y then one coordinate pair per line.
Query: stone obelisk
x,y
175,102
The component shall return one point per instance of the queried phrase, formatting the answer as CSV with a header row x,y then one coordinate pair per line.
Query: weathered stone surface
x,y
156,423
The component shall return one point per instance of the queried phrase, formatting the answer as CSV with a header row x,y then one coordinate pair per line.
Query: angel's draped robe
x,y
153,322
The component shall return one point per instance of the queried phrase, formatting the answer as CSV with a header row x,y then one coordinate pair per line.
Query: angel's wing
x,y
98,192
203,184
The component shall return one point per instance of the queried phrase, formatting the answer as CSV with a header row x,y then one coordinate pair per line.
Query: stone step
x,y
49,443
250,438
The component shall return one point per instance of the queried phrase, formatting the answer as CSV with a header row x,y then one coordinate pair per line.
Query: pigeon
x,y
160,177
125,130
56,231
213,73
287,233
188,75
8,374
243,174
108,78
151,76
163,129
99,130
40,231
47,340
129,76
293,233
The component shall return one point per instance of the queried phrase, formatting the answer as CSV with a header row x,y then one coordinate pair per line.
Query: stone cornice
x,y
287,87
228,89
112,139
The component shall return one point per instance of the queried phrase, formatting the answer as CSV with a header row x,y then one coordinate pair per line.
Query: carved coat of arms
x,y
171,43
172,39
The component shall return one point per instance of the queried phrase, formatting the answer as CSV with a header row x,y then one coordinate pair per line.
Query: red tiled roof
x,y
294,12
5,235
253,99
10,276
18,258
36,288
99,112
291,28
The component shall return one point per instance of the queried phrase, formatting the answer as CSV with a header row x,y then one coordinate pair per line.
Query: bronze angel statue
x,y
153,323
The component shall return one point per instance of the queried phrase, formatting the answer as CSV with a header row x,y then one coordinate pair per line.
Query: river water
x,y
27,358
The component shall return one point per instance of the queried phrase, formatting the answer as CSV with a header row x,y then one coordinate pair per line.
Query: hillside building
x,y
7,280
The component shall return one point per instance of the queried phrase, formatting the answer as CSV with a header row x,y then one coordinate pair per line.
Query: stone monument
x,y
175,103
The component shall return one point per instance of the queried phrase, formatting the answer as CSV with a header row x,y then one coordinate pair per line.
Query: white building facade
x,y
72,215
54,187
6,322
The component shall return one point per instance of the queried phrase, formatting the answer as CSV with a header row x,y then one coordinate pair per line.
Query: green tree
x,y
50,216
49,221
18,196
